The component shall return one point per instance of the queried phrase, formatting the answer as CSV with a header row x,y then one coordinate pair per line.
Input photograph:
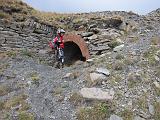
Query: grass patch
x,y
98,112
133,79
155,40
113,44
4,90
142,103
25,116
157,111
27,53
1,105
134,39
119,65
127,114
76,99
12,53
157,71
58,91
4,15
15,101
150,56
35,77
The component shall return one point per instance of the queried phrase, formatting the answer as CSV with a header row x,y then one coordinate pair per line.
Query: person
x,y
59,45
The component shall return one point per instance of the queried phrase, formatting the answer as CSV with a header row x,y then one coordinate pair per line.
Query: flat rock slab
x,y
97,76
118,48
103,71
97,93
115,117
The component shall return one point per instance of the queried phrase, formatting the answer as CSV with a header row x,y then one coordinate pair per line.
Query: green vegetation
x,y
98,112
155,40
15,101
76,99
25,116
27,53
4,90
57,91
133,79
113,44
119,65
150,56
1,105
142,103
127,114
157,110
4,15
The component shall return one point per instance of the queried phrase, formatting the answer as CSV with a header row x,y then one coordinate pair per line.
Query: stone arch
x,y
77,39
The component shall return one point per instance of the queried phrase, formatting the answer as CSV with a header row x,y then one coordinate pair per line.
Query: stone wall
x,y
29,34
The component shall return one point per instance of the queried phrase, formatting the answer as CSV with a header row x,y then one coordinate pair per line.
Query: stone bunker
x,y
75,49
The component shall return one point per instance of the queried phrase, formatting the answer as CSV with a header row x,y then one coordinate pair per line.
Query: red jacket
x,y
60,40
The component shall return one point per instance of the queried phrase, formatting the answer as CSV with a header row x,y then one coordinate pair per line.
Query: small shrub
x,y
119,65
157,111
76,99
26,52
157,72
155,40
134,39
113,44
142,103
97,112
12,53
1,105
4,15
25,116
133,79
16,101
4,90
35,77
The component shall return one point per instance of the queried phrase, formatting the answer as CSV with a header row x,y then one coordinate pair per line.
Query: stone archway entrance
x,y
75,48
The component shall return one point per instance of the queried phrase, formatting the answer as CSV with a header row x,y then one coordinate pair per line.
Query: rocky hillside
x,y
121,80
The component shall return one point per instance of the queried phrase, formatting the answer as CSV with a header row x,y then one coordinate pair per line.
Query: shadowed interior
x,y
72,53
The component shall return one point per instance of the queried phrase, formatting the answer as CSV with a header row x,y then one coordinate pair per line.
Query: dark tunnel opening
x,y
72,53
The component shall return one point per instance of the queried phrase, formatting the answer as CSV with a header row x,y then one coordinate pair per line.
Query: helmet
x,y
60,31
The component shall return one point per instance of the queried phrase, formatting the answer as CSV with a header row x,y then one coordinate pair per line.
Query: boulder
x,y
96,76
118,48
115,117
103,71
87,34
97,93
93,37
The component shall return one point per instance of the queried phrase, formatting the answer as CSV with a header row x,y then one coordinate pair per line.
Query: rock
x,y
69,75
118,48
138,118
90,60
115,117
43,52
97,94
151,109
157,58
95,30
96,76
103,71
93,37
87,34
156,84
119,41
101,48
